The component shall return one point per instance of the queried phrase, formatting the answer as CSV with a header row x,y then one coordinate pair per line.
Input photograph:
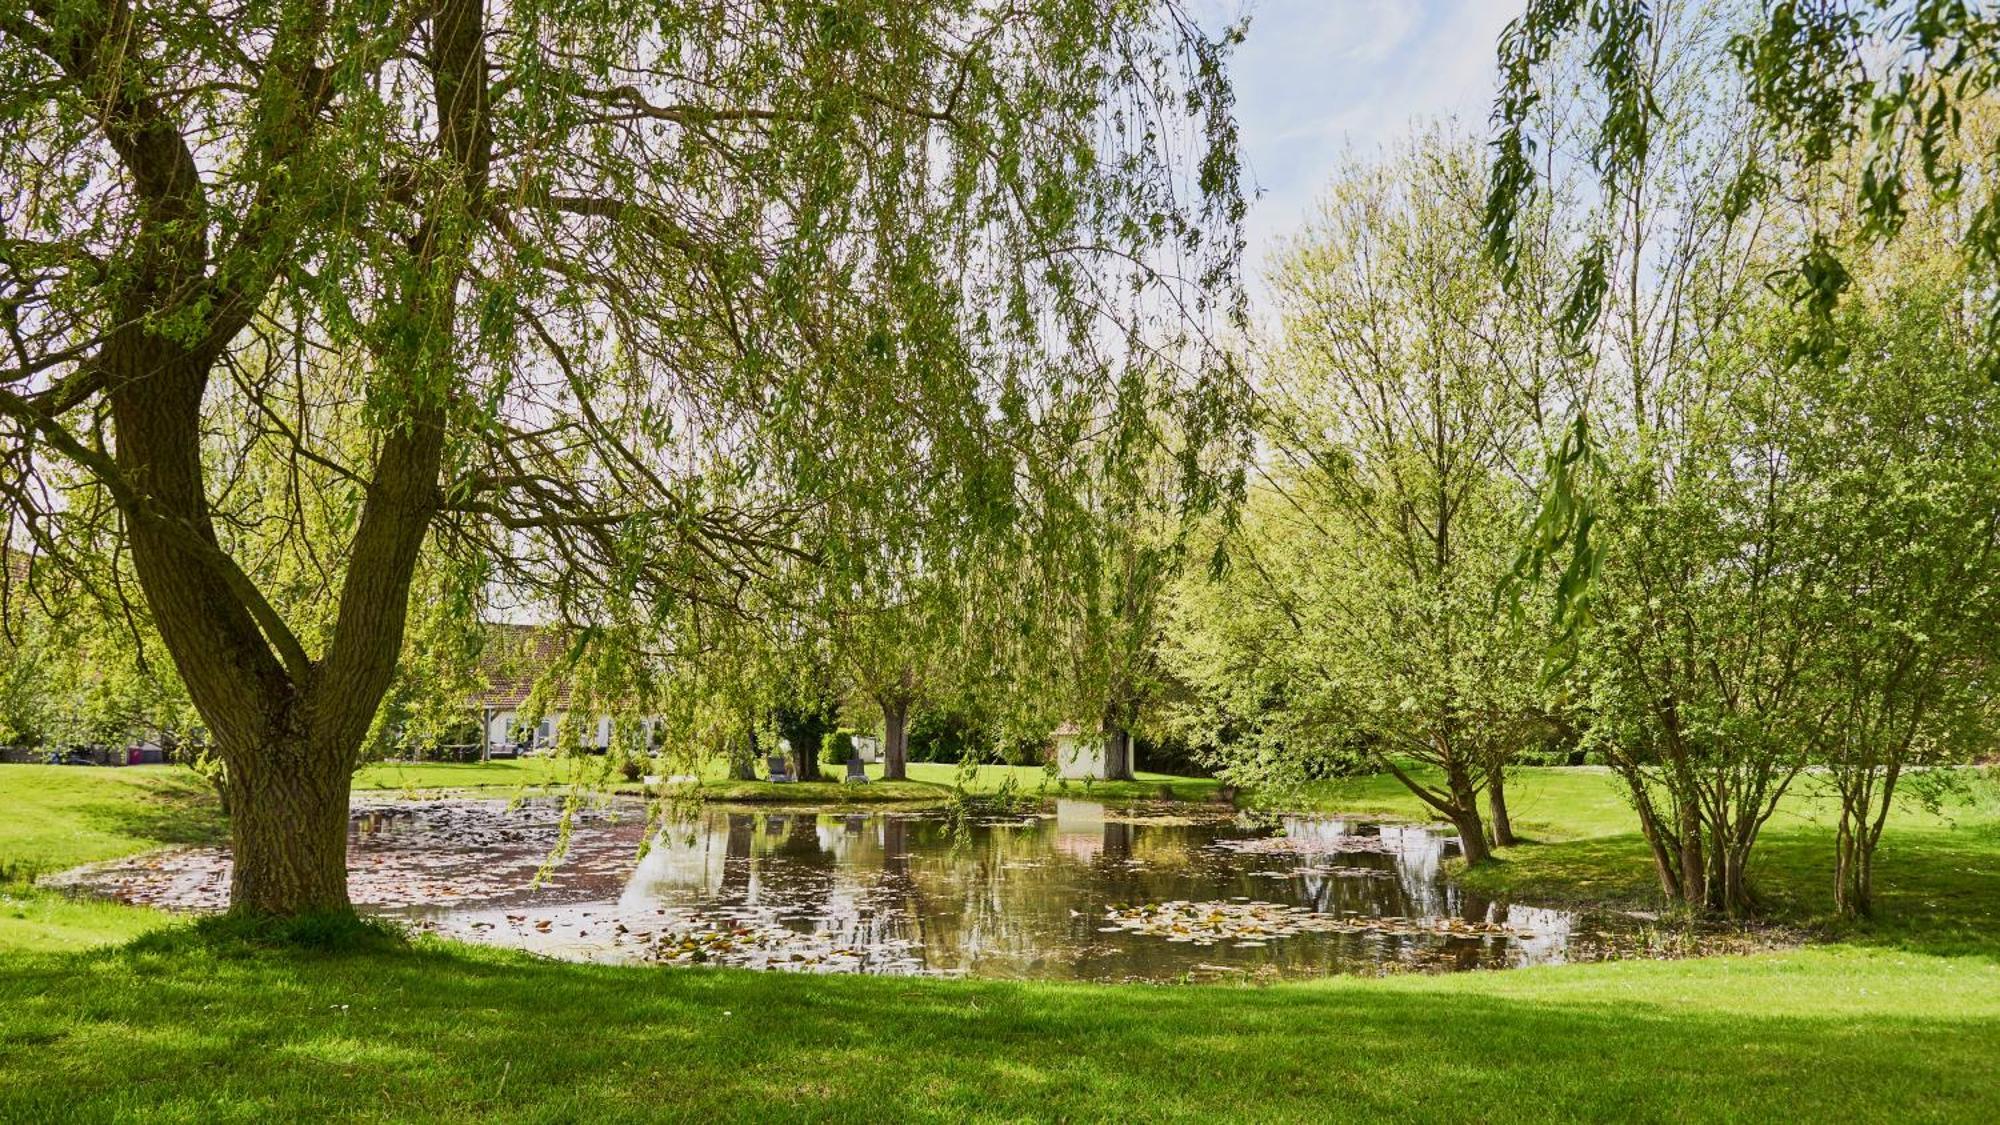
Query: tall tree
x,y
1891,82
1404,383
596,300
1901,438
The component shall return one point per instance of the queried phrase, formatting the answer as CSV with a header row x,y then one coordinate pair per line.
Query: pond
x,y
1077,890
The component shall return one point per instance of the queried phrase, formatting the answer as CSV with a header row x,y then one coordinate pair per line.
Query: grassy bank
x,y
179,1030
182,1026
927,781
1937,874
56,817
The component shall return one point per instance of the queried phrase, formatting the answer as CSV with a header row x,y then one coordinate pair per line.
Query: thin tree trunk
x,y
1464,814
1496,804
895,739
743,763
1854,867
1694,863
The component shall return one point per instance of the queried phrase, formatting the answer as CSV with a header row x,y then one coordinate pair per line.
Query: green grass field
x,y
1937,877
928,781
1897,1023
180,1030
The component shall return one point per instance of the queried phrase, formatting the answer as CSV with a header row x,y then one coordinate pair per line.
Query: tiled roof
x,y
514,657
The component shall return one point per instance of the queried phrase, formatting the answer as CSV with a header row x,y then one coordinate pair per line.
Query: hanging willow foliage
x,y
627,309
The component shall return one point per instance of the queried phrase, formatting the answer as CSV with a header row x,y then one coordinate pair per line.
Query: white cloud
x,y
1318,78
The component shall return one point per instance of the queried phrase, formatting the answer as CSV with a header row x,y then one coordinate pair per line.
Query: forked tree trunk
x,y
895,739
1496,806
288,726
1458,803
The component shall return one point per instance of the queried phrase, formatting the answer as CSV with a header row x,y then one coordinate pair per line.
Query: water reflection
x,y
1018,895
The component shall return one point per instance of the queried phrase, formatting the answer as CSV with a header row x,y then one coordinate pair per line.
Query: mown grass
x,y
61,816
927,781
180,1029
57,817
1937,872
190,1024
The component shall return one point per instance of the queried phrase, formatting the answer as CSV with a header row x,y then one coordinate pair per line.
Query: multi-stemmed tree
x,y
1403,390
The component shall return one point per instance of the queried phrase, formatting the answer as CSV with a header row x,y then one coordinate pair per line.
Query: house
x,y
514,659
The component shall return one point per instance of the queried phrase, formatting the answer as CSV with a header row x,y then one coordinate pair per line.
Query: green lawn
x,y
927,781
1900,1023
1937,875
180,1030
56,817
506,772
936,780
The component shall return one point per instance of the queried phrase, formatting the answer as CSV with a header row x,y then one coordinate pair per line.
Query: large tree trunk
x,y
287,726
288,830
1496,805
1117,751
895,738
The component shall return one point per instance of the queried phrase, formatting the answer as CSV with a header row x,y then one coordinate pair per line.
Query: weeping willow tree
x,y
596,304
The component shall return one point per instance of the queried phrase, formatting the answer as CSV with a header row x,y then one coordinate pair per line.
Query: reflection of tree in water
x,y
1028,896
739,831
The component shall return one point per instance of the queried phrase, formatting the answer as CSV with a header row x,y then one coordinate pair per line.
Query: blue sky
x,y
1318,78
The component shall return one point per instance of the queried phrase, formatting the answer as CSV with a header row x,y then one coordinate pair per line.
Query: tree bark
x,y
1472,837
895,738
288,832
1117,751
1496,805
1464,814
805,762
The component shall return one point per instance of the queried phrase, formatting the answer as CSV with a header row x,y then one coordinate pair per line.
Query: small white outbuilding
x,y
1079,753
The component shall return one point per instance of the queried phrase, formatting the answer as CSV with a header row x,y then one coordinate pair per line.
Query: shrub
x,y
837,747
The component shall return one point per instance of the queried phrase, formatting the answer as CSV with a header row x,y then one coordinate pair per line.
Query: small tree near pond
x,y
1359,591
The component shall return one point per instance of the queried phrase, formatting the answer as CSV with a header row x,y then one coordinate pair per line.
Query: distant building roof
x,y
513,659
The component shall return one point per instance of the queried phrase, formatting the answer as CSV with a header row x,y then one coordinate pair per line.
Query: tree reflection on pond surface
x,y
1079,890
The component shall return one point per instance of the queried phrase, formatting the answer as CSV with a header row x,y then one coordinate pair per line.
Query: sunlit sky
x,y
1319,78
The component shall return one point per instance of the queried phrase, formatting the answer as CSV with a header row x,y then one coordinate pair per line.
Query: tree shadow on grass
x,y
169,811
434,1033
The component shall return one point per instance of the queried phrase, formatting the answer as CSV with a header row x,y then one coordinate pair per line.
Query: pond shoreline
x,y
1052,889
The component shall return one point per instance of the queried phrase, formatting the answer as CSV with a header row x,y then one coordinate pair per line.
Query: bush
x,y
939,736
836,748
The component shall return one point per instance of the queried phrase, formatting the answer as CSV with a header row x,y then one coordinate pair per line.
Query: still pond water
x,y
1074,891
